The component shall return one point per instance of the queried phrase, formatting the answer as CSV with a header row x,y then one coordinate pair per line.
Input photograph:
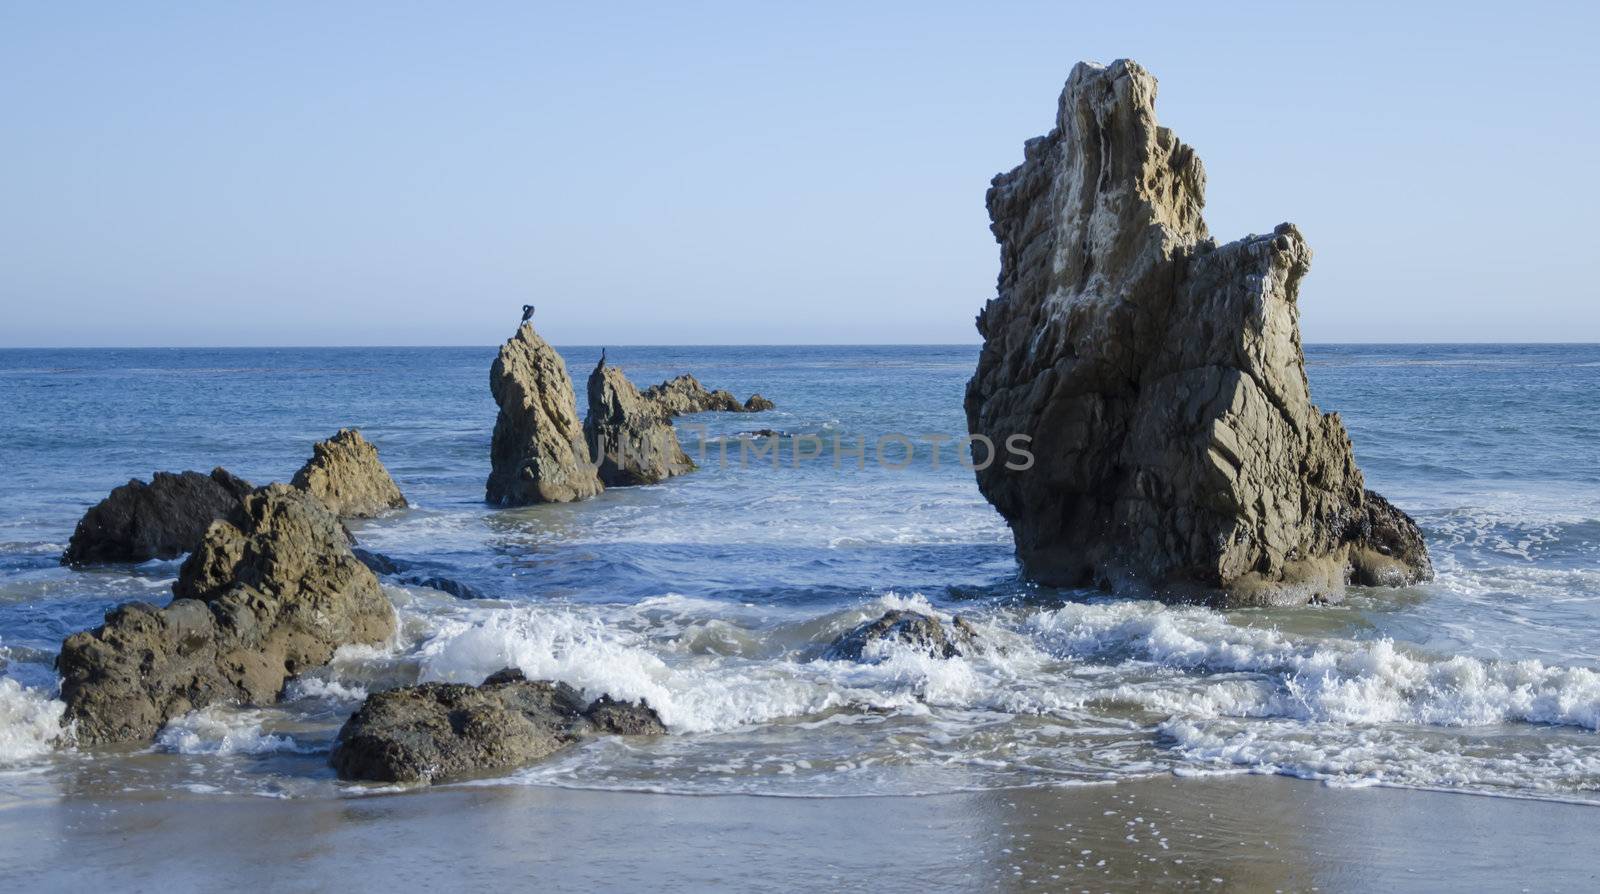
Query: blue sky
x,y
389,173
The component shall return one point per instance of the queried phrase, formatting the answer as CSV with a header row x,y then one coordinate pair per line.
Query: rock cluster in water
x,y
164,519
630,437
268,594
439,731
1161,379
541,453
685,395
345,474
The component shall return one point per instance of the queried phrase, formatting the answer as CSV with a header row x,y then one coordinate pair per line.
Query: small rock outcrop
x,y
266,595
685,395
1160,379
631,438
164,519
439,731
922,632
345,474
538,453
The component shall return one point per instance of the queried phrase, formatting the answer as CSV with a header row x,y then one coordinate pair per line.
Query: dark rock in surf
x,y
407,574
922,632
538,454
1386,548
267,594
631,438
160,520
685,395
442,584
1159,380
345,474
439,731
378,562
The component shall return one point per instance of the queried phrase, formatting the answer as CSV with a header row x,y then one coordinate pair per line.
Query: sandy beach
x,y
1248,833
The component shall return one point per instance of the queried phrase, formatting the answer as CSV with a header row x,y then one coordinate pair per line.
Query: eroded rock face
x,y
164,519
632,439
1161,379
266,595
685,395
345,474
538,454
438,731
923,632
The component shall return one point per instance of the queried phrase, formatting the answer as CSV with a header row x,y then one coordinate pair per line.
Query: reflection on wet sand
x,y
1238,833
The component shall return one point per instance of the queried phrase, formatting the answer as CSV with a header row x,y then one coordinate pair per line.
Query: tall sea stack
x,y
538,454
1161,379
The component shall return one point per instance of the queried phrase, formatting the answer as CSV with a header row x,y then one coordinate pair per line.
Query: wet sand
x,y
1222,833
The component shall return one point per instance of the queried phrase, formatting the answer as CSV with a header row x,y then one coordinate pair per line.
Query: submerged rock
x,y
922,632
345,474
1160,379
268,594
408,574
538,454
632,439
685,395
160,520
439,731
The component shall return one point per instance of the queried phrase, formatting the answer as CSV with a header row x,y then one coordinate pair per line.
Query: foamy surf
x,y
30,723
225,731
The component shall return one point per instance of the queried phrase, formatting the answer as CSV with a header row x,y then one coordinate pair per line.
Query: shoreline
x,y
1252,832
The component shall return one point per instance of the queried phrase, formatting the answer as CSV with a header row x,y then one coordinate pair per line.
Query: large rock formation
x,y
266,595
160,520
345,474
1161,379
439,731
685,395
631,438
538,454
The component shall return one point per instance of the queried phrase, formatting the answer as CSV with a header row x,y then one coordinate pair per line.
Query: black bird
x,y
527,312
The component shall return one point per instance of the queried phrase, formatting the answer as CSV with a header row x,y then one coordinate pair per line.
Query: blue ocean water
x,y
711,595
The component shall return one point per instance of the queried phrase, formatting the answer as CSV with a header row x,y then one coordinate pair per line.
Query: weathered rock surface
x,y
1161,379
685,395
922,632
631,438
160,520
438,731
538,453
266,595
345,474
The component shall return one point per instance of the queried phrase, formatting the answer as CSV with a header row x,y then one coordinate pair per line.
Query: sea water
x,y
712,596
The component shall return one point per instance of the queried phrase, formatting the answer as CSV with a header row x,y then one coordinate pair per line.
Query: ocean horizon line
x,y
491,345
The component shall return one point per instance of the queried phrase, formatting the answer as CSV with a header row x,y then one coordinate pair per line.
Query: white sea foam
x,y
1324,679
30,722
325,689
582,650
223,731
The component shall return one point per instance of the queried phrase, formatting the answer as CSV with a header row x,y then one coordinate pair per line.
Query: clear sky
x,y
681,172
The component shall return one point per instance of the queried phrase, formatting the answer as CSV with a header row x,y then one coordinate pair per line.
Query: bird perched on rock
x,y
527,312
